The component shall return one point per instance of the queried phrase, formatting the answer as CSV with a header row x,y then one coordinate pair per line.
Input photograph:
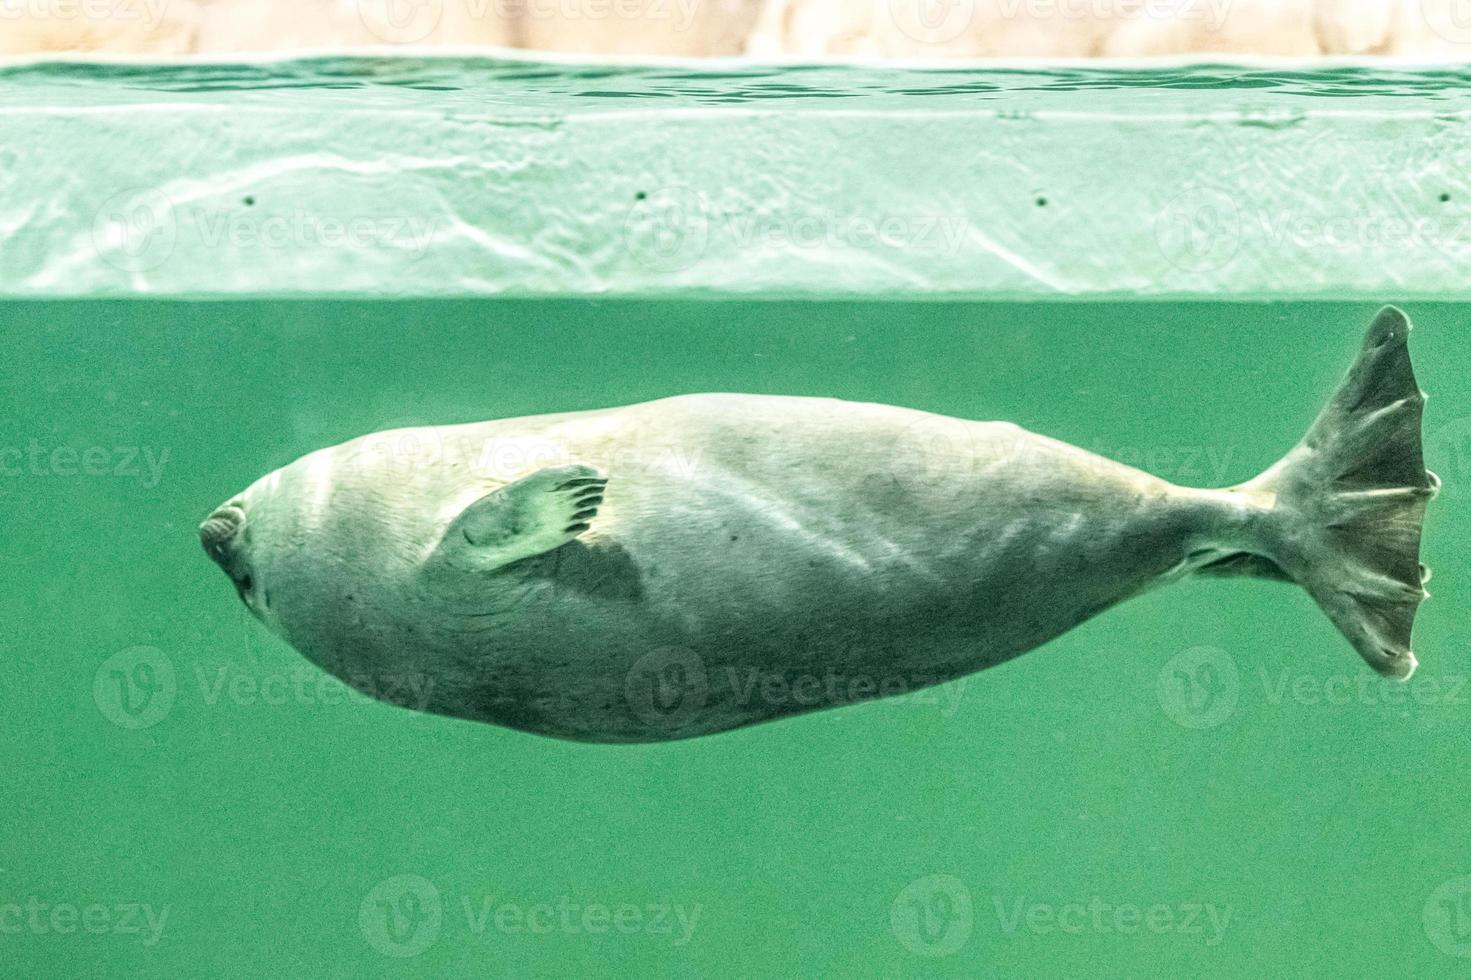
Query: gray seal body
x,y
698,564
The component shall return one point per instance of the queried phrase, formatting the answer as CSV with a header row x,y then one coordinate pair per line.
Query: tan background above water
x,y
909,29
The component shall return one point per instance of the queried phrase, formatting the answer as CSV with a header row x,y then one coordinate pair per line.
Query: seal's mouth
x,y
219,530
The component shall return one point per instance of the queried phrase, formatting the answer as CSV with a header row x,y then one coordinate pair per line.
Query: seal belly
x,y
813,573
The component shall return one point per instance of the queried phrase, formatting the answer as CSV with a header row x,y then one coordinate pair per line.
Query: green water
x,y
1206,781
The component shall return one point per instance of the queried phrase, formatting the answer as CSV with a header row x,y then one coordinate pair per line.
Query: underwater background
x,y
1205,781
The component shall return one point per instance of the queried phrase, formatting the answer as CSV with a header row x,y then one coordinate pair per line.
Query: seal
x,y
706,562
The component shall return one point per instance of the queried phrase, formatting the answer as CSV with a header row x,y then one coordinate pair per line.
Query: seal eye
x,y
246,583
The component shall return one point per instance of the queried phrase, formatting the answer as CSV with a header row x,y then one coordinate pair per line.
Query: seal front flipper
x,y
532,516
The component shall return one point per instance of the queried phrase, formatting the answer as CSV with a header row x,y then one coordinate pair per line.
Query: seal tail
x,y
1342,512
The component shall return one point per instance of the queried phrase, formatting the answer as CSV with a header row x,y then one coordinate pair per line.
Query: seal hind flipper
x,y
1349,501
534,515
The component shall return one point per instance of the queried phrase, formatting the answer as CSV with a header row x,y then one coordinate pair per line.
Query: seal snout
x,y
219,530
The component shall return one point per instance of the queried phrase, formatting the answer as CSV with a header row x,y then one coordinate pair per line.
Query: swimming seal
x,y
706,562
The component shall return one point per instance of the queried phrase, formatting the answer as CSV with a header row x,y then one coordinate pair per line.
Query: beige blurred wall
x,y
133,27
669,27
920,29
1435,30
801,29
1283,28
275,25
661,27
